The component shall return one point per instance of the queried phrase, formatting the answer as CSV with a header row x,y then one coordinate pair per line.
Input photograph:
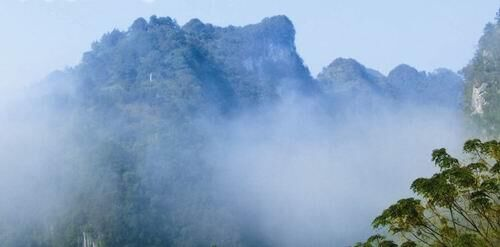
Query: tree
x,y
458,206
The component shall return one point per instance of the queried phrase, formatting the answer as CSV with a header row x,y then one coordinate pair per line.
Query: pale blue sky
x,y
39,36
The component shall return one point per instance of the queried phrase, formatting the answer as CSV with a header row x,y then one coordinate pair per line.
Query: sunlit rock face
x,y
482,95
478,101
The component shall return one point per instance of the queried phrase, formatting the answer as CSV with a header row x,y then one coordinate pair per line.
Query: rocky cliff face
x,y
482,95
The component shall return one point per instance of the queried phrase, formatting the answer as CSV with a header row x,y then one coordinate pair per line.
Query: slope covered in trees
x,y
348,79
482,77
135,175
131,170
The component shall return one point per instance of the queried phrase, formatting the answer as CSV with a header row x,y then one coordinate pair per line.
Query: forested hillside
x,y
482,77
127,167
348,79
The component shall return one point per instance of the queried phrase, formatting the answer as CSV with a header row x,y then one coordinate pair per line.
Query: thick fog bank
x,y
39,162
294,173
302,174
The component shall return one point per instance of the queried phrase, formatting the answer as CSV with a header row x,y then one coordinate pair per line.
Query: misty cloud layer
x,y
296,172
306,175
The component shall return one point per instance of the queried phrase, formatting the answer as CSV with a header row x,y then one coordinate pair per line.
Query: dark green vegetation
x,y
350,81
482,77
129,170
133,172
185,67
458,206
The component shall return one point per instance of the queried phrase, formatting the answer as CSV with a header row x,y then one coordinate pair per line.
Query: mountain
x,y
349,76
404,84
161,61
195,66
135,109
483,82
136,100
440,87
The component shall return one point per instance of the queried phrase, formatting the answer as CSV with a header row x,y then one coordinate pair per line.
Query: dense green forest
x,y
131,124
482,80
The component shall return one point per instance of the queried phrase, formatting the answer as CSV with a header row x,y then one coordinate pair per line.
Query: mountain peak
x,y
248,64
347,74
279,21
139,24
277,28
345,64
162,21
196,26
404,71
195,22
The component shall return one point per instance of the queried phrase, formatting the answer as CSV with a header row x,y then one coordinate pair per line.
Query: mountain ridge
x,y
137,99
235,67
403,83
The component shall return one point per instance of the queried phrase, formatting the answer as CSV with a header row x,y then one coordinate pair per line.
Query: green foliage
x,y
138,177
346,80
482,76
459,205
